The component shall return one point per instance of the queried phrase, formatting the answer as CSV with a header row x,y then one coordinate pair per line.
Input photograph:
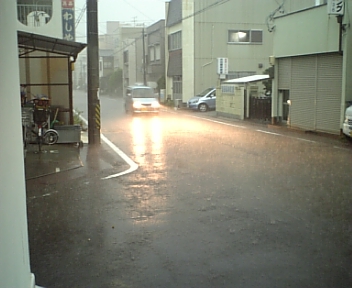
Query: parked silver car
x,y
203,101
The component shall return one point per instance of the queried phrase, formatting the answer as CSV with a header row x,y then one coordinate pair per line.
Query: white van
x,y
141,99
347,125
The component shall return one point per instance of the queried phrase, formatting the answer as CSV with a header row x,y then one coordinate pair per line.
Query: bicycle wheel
x,y
51,137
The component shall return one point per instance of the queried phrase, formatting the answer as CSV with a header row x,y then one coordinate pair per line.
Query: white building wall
x,y
298,5
293,33
132,62
188,88
14,248
205,38
168,80
211,39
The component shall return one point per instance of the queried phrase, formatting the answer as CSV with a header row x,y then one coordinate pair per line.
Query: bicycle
x,y
41,114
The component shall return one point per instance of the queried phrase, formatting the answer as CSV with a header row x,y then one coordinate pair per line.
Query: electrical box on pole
x,y
93,73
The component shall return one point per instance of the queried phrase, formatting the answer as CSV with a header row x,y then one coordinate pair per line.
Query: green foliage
x,y
76,118
115,81
161,83
268,83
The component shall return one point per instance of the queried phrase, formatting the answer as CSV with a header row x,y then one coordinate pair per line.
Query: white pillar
x,y
14,251
275,110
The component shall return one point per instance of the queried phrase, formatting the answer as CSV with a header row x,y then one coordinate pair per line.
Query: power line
x,y
81,14
220,2
136,9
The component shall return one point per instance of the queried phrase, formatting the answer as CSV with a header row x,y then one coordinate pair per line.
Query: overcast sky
x,y
130,11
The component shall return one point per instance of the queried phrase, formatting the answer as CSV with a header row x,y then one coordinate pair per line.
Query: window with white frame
x,y
175,41
107,64
157,52
245,36
151,54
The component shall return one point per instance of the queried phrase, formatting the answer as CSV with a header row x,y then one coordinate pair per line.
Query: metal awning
x,y
247,79
34,42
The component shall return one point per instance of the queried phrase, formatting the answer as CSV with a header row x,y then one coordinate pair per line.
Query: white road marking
x,y
44,195
219,122
267,132
341,148
128,160
244,127
305,140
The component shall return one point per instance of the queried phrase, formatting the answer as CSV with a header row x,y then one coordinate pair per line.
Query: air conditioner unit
x,y
272,60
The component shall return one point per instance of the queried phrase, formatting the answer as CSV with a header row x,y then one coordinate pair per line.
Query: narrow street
x,y
213,203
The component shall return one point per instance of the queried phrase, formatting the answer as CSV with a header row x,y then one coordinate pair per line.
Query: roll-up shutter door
x,y
329,90
284,73
303,92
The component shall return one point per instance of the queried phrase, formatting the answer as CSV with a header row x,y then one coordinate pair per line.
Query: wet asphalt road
x,y
212,204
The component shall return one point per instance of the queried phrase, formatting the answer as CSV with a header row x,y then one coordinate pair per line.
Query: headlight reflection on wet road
x,y
146,138
138,138
156,135
145,189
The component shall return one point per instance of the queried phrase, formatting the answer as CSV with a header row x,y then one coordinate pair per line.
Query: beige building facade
x,y
199,32
312,66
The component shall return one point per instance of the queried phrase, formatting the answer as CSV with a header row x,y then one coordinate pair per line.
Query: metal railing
x,y
34,14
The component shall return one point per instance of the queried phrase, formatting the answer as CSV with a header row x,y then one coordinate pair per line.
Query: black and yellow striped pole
x,y
93,73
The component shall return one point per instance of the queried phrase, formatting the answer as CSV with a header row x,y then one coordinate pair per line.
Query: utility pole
x,y
93,73
144,74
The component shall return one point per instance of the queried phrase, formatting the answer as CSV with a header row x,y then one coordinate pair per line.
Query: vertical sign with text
x,y
223,66
68,19
336,7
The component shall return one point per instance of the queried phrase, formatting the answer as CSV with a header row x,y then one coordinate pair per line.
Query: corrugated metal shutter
x,y
284,73
316,88
329,90
303,92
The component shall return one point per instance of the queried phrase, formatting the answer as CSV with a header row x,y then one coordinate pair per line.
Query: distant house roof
x,y
247,79
156,26
175,13
34,42
106,52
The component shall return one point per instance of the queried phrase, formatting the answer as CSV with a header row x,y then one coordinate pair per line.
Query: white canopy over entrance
x,y
247,79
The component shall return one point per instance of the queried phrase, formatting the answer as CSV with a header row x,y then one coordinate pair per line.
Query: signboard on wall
x,y
68,19
336,7
223,66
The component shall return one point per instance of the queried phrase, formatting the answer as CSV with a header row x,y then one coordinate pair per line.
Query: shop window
x,y
245,36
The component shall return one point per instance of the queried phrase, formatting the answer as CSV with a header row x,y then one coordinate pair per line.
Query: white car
x,y
347,125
